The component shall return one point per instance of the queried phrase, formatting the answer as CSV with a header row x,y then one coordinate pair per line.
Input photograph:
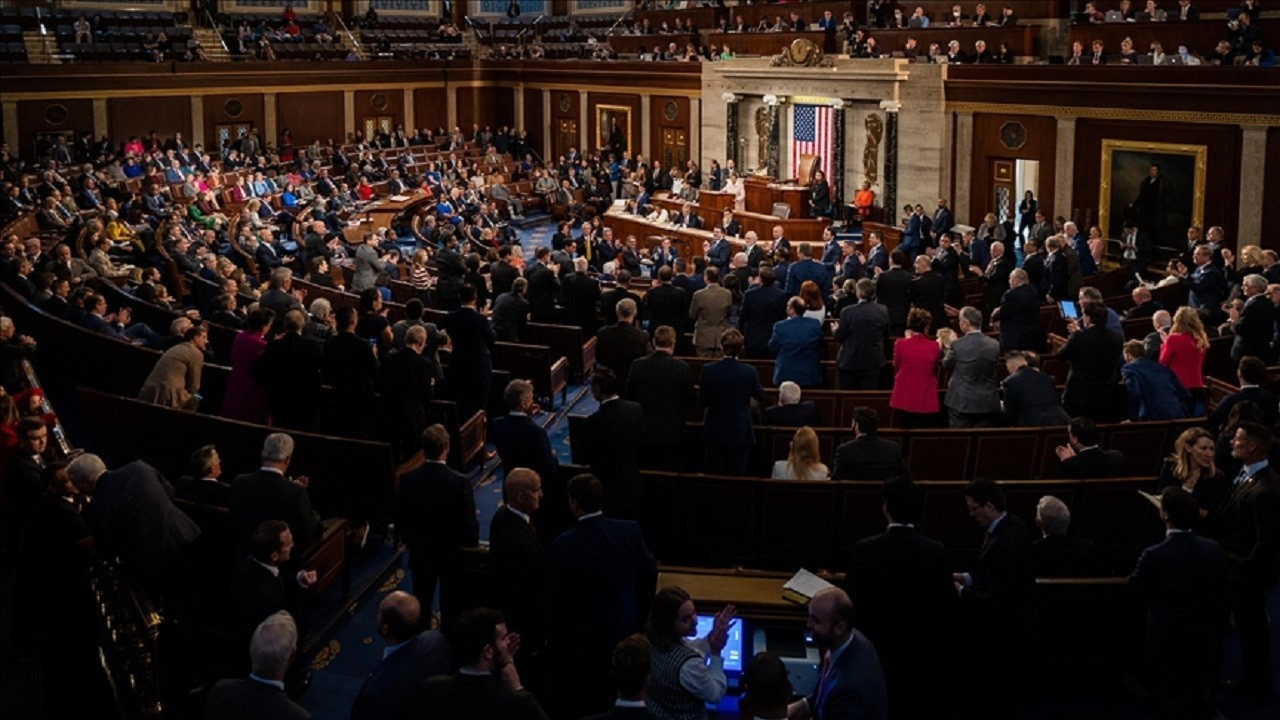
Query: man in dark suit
x,y
901,591
850,681
470,364
866,456
501,272
1249,523
893,290
290,370
1206,284
520,441
876,257
1056,554
1254,326
544,286
790,411
1082,459
1033,264
718,252
582,296
600,577
1030,398
264,582
861,332
261,696
617,345
518,562
1183,581
609,299
203,485
729,225
437,516
1056,275
511,312
269,494
763,306
611,446
663,386
487,684
23,481
946,262
832,252
690,283
806,268
727,387
929,292
1092,354
997,596
910,245
796,341
1019,315
1250,374
666,304
1143,305
412,655
995,277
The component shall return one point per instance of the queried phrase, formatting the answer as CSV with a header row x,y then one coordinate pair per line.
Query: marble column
x,y
964,169
584,113
269,121
410,120
450,107
837,161
197,120
772,162
731,104
890,203
519,98
695,130
348,113
1253,168
100,121
549,124
11,137
642,125
1064,168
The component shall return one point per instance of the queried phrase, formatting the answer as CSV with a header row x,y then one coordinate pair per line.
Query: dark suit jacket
x,y
1003,579
1249,522
518,563
510,314
1093,463
1031,400
1020,319
611,447
861,334
797,415
868,458
1034,266
251,700
796,343
618,345
1266,401
543,288
1208,288
854,686
727,388
22,487
467,697
290,371
1184,581
522,443
762,307
663,386
390,688
667,305
256,594
132,513
471,362
582,301
260,496
600,576
929,292
995,282
1058,556
893,290
807,269
609,300
502,275
1254,330
437,515
1093,354
205,492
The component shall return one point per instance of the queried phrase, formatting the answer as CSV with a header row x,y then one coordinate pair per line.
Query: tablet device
x,y
1068,310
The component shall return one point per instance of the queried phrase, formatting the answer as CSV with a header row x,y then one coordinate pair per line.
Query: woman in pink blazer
x,y
246,398
915,368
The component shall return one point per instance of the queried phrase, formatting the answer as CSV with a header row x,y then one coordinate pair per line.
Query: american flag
x,y
811,135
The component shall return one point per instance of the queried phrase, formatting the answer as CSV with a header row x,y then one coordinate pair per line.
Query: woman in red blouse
x,y
1183,351
915,378
364,189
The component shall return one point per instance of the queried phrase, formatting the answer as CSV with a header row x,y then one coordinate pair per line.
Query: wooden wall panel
x,y
37,116
218,111
660,119
1271,193
593,115
311,115
492,106
139,116
1041,145
534,122
430,108
1222,193
376,103
564,107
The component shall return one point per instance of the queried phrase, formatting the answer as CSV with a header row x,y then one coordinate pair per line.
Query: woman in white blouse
x,y
685,673
734,185
803,461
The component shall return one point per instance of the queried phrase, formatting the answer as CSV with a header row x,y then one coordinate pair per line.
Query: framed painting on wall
x,y
1157,186
613,128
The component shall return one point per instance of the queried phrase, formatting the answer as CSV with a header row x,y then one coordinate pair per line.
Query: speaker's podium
x,y
786,199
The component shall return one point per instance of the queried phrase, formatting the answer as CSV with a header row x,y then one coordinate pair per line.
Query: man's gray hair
x,y
626,308
320,308
279,276
789,393
85,469
740,257
415,335
1255,281
278,447
1020,275
273,644
515,393
1053,515
972,315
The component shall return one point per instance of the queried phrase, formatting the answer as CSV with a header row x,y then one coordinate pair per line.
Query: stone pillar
x,y
348,113
1064,169
410,120
695,130
964,168
519,103
646,138
838,150
269,122
585,143
731,104
1253,155
9,110
100,122
550,125
197,120
451,107
772,161
891,108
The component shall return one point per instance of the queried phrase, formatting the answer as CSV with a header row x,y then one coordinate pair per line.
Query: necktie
x,y
822,682
1244,475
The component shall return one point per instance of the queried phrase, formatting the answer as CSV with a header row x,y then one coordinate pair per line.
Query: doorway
x,y
566,135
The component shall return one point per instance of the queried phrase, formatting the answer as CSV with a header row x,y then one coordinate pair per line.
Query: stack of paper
x,y
801,588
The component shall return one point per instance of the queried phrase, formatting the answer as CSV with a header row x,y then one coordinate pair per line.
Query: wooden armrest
x,y
327,555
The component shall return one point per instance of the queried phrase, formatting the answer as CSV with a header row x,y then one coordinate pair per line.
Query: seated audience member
x,y
412,655
269,494
1143,304
1250,373
1030,397
790,410
203,485
1081,457
1153,343
1153,391
902,593
915,364
802,461
686,674
1192,468
1056,554
519,440
261,696
630,668
1183,581
487,683
866,456
854,679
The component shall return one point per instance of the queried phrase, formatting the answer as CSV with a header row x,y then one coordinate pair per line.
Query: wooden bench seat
x,y
548,372
566,341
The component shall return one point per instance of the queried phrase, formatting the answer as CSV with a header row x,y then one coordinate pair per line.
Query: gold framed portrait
x,y
614,128
1159,187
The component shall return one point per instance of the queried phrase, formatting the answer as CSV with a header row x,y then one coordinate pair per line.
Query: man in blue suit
x,y
795,342
600,577
718,252
910,244
806,268
727,388
850,680
832,254
763,306
520,441
1208,286
411,656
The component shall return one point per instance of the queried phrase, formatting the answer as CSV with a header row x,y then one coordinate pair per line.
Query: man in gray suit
x,y
973,398
368,264
709,311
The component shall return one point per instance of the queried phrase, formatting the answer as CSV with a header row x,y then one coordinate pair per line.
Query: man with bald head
x,y
412,655
850,680
1143,304
1161,321
517,560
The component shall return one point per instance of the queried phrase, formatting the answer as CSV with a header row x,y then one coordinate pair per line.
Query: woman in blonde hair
x,y
803,461
1191,467
1183,351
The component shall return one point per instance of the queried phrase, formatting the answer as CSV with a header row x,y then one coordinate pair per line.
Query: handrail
x,y
614,26
216,30
355,44
59,436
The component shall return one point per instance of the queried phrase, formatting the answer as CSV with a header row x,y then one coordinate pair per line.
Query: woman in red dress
x,y
915,372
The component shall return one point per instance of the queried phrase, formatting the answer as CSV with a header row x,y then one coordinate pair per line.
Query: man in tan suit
x,y
175,380
709,311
